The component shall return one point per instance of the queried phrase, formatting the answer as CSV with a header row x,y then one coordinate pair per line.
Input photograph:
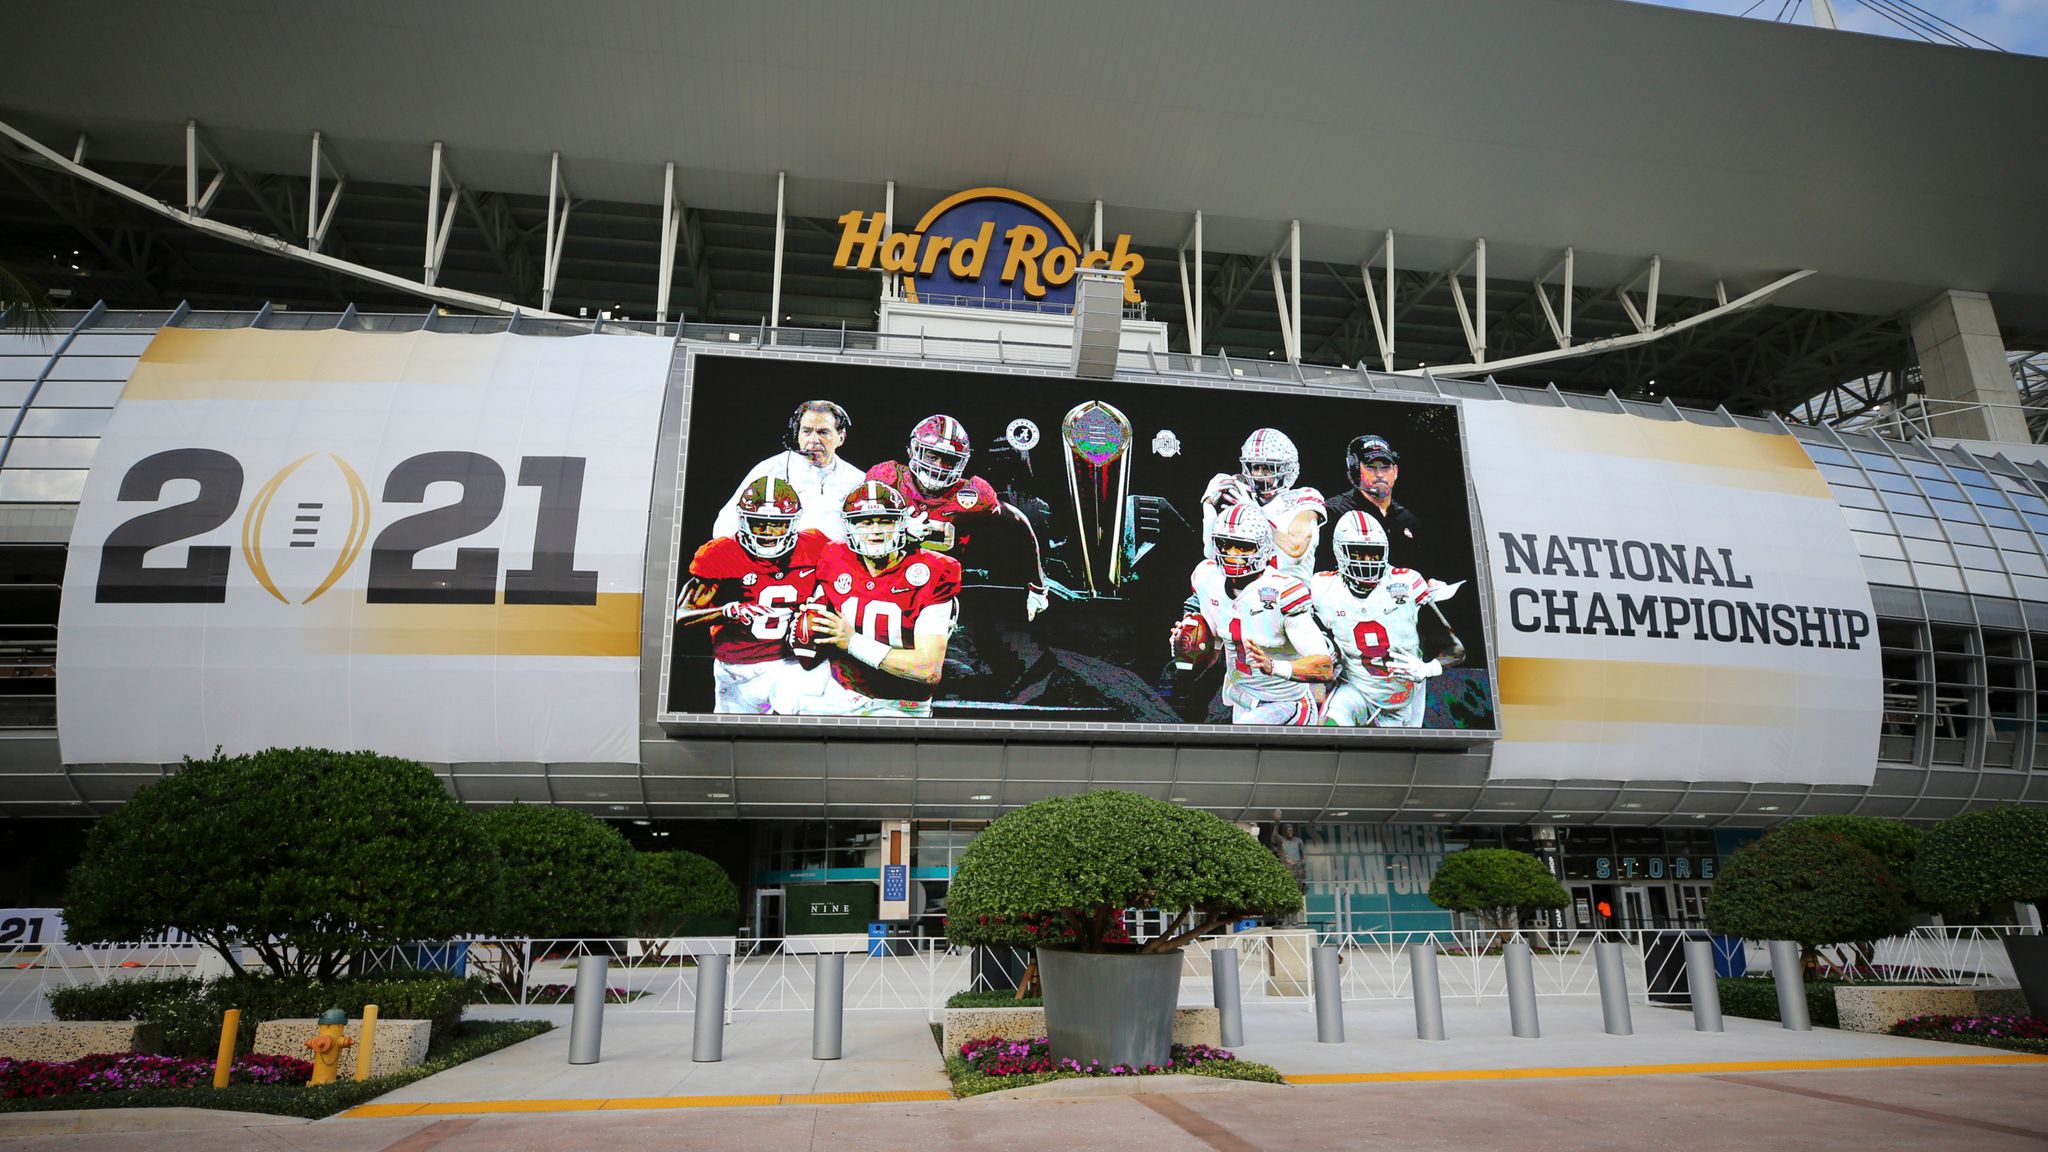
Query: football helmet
x,y
768,508
874,514
938,453
1241,543
1361,546
1270,461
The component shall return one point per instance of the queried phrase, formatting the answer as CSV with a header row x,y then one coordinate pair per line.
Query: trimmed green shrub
x,y
1062,871
1809,886
683,894
1495,884
564,873
1972,863
303,854
477,1038
188,1010
997,998
1893,841
1756,998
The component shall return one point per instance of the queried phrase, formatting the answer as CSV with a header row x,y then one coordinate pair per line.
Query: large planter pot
x,y
2029,956
1115,1007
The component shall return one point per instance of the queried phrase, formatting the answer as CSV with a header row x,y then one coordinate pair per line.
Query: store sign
x,y
426,545
984,244
1626,868
1672,602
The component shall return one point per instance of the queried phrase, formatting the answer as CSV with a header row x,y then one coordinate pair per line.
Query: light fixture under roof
x,y
1178,799
1345,812
719,795
1560,815
1632,804
642,823
982,796
1768,808
1439,813
1699,815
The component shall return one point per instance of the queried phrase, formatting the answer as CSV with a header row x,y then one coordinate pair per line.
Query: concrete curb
x,y
102,1121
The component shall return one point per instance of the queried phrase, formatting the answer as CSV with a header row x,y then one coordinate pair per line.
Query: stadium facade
x,y
1729,513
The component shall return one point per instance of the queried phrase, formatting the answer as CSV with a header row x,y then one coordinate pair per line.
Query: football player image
x,y
1373,610
810,465
1273,653
1269,465
884,612
945,502
748,586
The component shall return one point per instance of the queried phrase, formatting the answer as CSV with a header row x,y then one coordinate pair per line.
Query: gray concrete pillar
x,y
1962,359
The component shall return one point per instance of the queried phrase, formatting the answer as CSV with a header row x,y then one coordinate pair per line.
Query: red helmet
x,y
874,514
768,509
938,452
1249,532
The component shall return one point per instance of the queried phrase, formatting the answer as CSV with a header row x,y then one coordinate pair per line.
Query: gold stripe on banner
x,y
1549,699
610,627
1738,457
265,364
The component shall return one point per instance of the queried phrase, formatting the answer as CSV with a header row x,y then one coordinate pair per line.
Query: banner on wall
x,y
1672,602
429,545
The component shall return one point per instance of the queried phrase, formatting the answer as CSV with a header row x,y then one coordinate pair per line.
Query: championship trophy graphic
x,y
1097,438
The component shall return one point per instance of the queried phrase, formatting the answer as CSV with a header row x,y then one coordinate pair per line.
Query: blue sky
x,y
2014,25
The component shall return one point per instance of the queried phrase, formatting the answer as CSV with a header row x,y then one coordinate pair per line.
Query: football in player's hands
x,y
1192,642
1225,491
1409,668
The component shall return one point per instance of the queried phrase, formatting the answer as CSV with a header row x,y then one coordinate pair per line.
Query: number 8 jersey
x,y
1368,629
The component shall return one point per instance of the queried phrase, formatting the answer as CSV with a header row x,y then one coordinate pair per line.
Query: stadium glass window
x,y
1879,462
1888,482
2025,563
31,581
2014,540
2000,518
1963,533
1849,477
1879,545
1955,510
1971,476
1823,454
1983,559
2008,695
65,421
1990,497
1906,690
1942,490
1958,712
1906,505
1920,527
2026,503
2040,693
1865,520
1859,498
1926,470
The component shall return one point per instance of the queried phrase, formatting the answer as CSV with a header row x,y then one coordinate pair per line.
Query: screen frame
x,y
665,523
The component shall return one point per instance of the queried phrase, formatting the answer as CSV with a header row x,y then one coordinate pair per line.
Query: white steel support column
x,y
557,231
1095,237
781,226
888,226
1560,331
1479,291
433,215
670,218
1969,380
192,166
1382,327
1475,337
1294,287
1644,318
1201,283
1191,298
313,199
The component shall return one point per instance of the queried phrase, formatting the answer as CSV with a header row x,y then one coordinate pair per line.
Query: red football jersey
x,y
781,583
951,515
884,606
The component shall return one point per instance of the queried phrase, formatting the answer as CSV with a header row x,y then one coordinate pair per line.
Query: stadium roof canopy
x,y
1727,154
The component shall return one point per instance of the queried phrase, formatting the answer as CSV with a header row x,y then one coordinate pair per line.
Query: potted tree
x,y
1058,875
1809,885
1495,884
1973,863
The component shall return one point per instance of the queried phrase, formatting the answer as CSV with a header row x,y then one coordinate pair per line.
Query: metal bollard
x,y
708,1045
1329,996
1429,998
586,1019
1613,974
1229,999
1703,985
224,1062
828,1013
1521,989
1791,982
366,1042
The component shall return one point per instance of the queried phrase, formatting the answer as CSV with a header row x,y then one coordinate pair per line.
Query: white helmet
x,y
1270,462
1361,546
1247,527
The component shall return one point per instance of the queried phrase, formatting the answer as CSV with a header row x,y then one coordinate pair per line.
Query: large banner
x,y
907,545
1673,602
427,545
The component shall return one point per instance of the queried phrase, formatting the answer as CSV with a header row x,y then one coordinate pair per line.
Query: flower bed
x,y
995,1064
2018,1033
119,1071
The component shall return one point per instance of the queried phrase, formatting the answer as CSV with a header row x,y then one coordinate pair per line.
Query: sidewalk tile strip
x,y
636,1103
1660,1069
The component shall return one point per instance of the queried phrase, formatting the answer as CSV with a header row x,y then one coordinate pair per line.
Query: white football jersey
x,y
1280,513
1258,613
1368,629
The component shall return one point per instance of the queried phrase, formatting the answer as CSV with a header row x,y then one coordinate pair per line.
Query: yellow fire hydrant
x,y
327,1046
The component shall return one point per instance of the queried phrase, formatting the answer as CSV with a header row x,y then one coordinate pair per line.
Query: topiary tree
x,y
682,894
1810,886
1893,841
1495,884
302,854
565,873
1970,864
1062,871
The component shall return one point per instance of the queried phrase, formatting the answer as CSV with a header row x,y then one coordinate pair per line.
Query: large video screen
x,y
931,546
